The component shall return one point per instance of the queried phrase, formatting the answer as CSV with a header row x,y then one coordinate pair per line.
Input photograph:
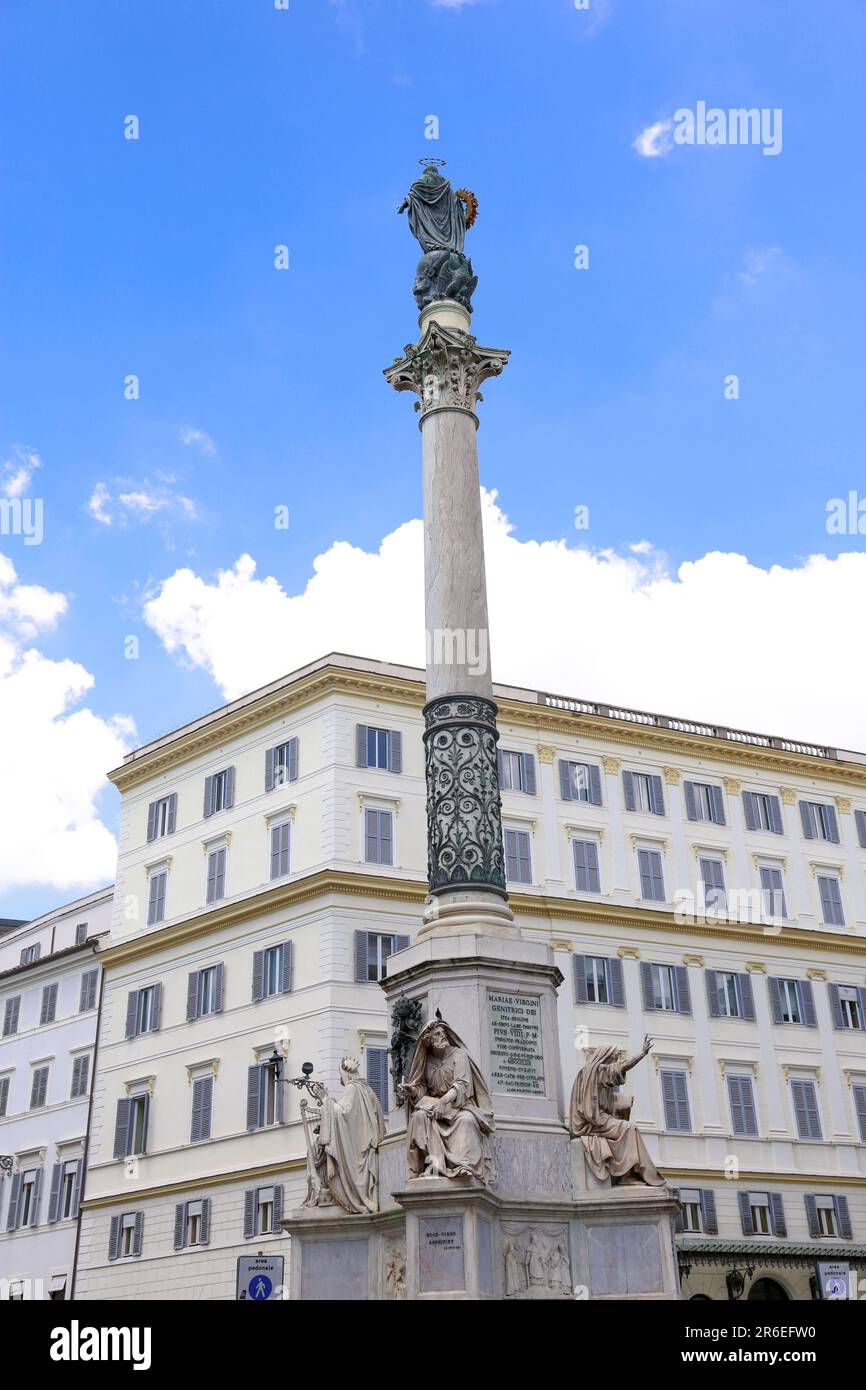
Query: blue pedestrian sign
x,y
260,1278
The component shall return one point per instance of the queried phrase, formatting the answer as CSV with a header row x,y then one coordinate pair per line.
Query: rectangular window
x,y
81,933
744,1117
378,748
10,1015
580,782
264,1097
704,802
221,791
643,792
272,971
664,988
819,821
216,875
652,887
274,960
518,863
763,812
860,822
144,1015
280,844
791,1001
713,880
68,1190
759,1211
39,1088
281,764
4,1095
806,1113
516,771
773,893
137,1131
161,816
597,980
850,1006
690,1201
206,1001
202,1109
830,893
675,1098
48,1008
156,885
127,1237
372,950
194,1223
826,1211
87,994
586,875
29,954
378,836
728,994
80,1076
28,1200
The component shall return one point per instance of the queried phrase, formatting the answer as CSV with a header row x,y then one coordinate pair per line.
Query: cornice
x,y
167,1189
539,719
766,1175
412,893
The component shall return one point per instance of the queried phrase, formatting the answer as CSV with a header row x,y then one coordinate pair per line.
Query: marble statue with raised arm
x,y
449,1113
613,1146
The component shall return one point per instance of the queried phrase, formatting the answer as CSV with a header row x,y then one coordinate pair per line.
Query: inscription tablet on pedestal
x,y
516,1059
440,1255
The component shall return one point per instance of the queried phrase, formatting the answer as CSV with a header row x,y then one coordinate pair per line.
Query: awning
x,y
701,1250
57,1283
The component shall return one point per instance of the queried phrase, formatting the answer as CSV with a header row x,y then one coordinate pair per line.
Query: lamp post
x,y
303,1082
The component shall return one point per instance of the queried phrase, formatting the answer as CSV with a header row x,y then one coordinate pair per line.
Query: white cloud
x,y
53,756
654,140
759,261
199,439
139,503
17,471
719,639
453,4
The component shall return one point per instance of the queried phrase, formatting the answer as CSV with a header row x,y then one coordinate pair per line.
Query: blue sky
x,y
261,127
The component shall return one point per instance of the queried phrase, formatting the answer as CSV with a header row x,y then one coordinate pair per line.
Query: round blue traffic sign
x,y
260,1287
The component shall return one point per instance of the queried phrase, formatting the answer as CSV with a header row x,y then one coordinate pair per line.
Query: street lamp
x,y
303,1082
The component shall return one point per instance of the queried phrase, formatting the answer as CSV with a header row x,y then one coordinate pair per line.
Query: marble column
x,y
466,862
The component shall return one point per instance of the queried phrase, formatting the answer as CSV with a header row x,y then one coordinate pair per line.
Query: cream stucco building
x,y
703,885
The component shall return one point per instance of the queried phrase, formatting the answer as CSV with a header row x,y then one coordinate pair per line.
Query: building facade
x,y
49,1005
706,886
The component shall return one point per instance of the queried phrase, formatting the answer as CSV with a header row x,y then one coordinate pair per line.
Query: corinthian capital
x,y
445,369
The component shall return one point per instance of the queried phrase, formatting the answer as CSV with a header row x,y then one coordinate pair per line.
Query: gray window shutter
x,y
49,1002
87,996
192,996
628,790
860,1107
860,822
684,998
778,1224
843,1218
750,810
646,981
207,1107
775,815
131,1011
712,994
144,1124
675,1100
691,805
76,1191
230,788
775,998
54,1194
579,967
196,1130
14,1198
565,790
400,943
137,1233
121,1127
156,1014
377,1073
808,999
204,1233
745,1214
395,751
278,1205
806,818
812,1214
709,1219
171,817
743,1105
657,795
219,986
360,745
114,1238
151,821
208,797
180,1226
37,1196
617,985
258,975
279,1099
250,1213
255,1077
288,971
292,760
529,782
835,1006
832,825
747,997
594,784
269,769
361,948
718,803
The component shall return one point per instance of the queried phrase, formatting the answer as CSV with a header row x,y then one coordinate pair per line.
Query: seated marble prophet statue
x,y
449,1111
613,1145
